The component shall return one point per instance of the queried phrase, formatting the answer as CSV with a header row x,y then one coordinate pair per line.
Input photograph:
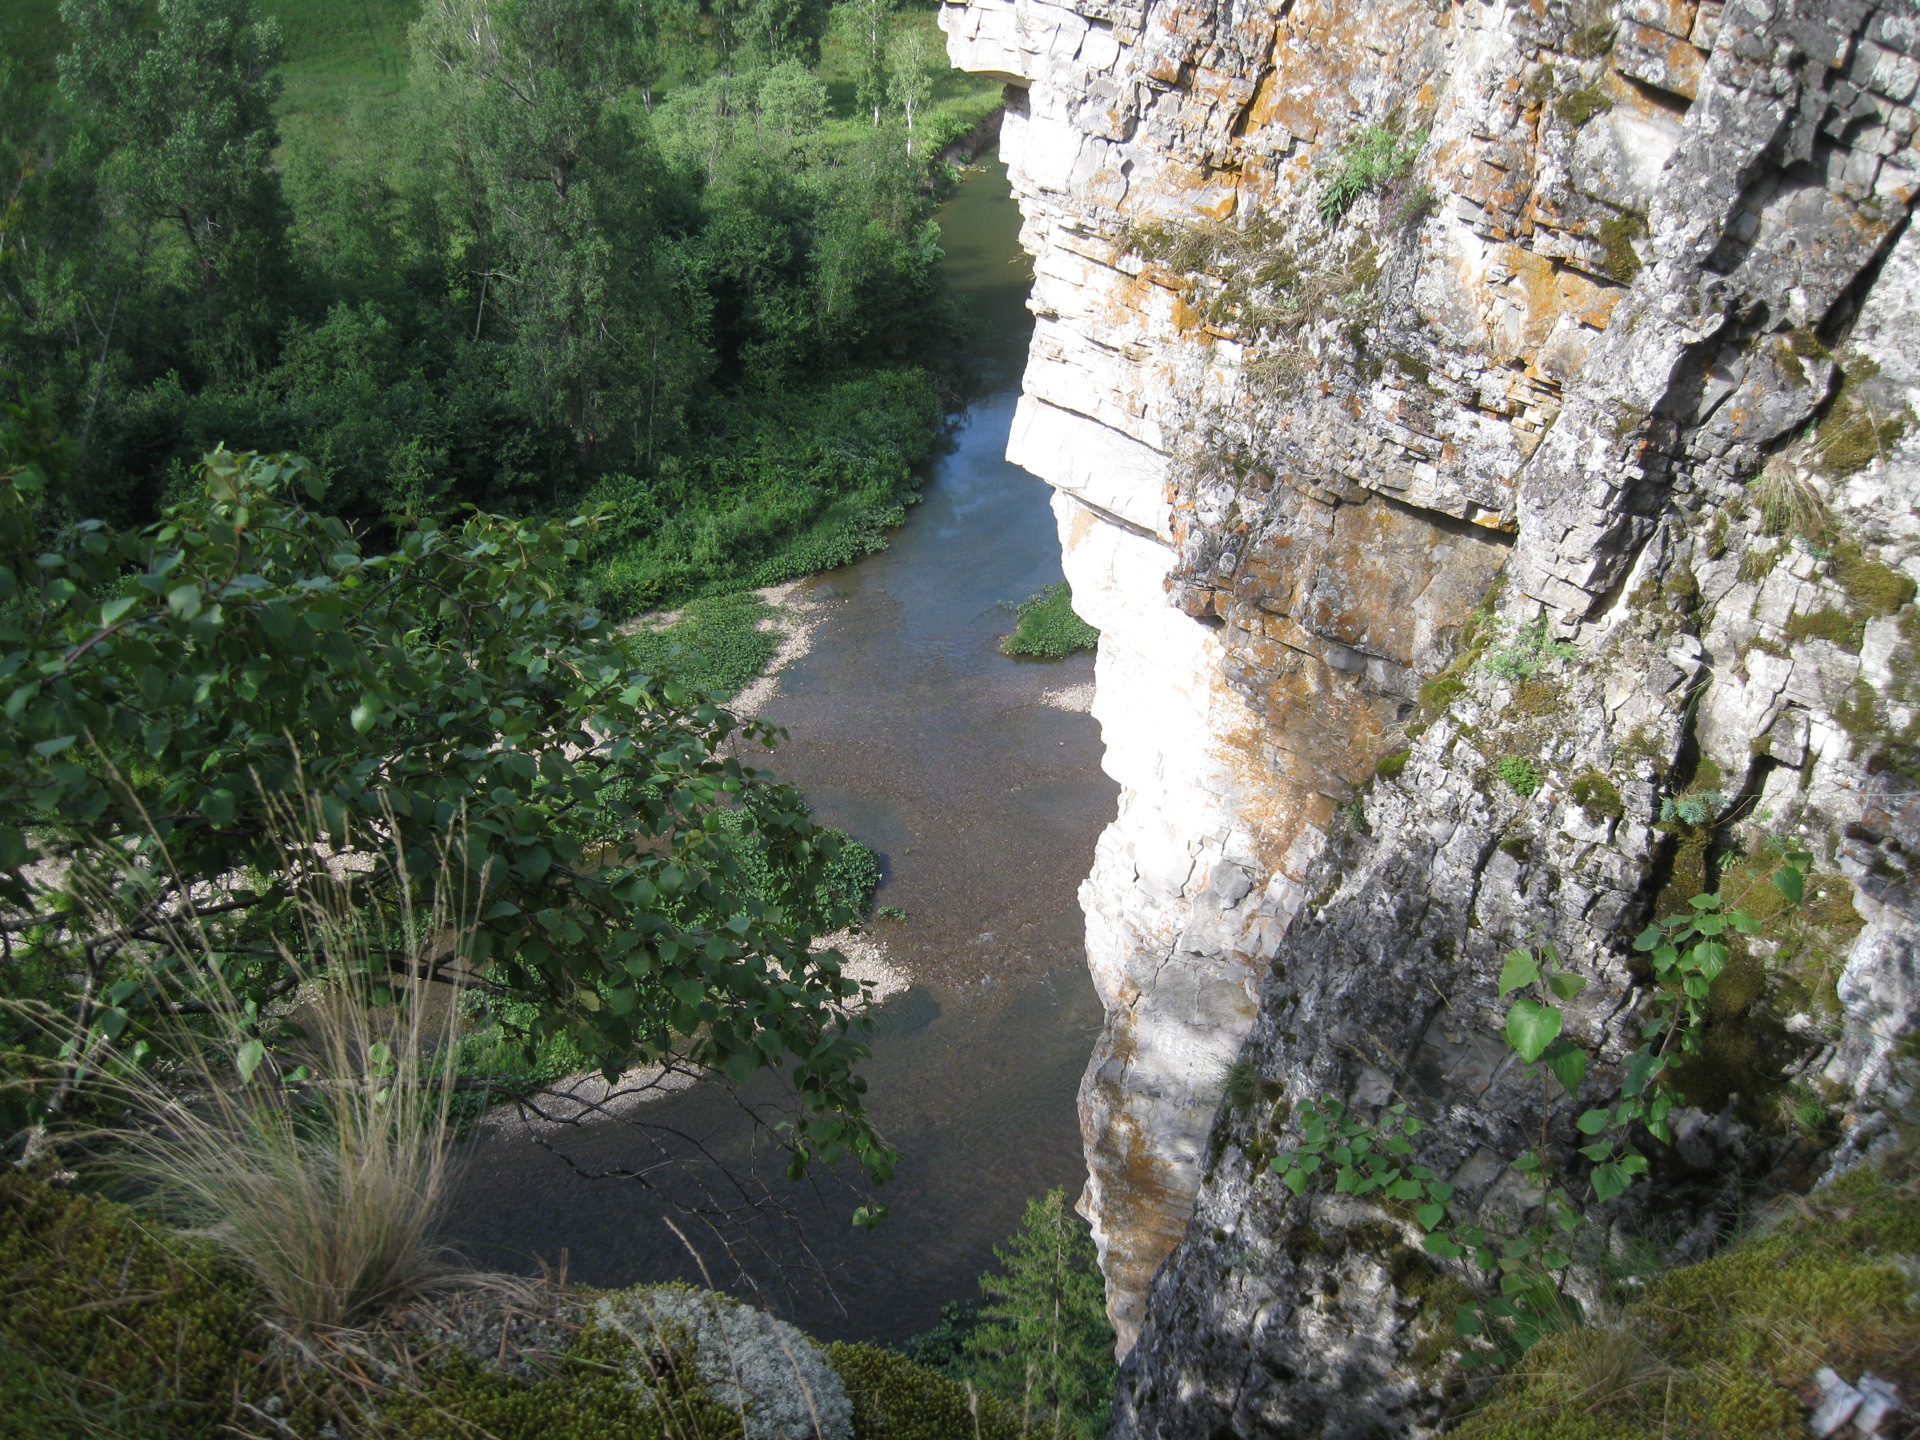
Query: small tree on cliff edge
x,y
1044,1343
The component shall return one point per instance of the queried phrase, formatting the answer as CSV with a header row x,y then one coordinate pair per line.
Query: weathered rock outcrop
x,y
1378,340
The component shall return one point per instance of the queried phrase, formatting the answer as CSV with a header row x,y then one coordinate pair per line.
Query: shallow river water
x,y
984,796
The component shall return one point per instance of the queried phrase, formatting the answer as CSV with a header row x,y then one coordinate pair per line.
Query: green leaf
x,y
366,714
1531,1027
1594,1121
1566,986
1519,971
1609,1180
248,1059
184,601
1790,882
1648,938
1568,1062
1430,1216
13,848
114,609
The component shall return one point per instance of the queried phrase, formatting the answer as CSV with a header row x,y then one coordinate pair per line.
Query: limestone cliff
x,y
1379,340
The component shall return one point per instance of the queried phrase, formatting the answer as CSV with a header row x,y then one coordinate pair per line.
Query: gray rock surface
x,y
1637,331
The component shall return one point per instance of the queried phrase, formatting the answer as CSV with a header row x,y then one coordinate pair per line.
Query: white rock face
x,y
1192,878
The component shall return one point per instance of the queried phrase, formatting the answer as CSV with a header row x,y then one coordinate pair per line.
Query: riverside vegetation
x,y
339,423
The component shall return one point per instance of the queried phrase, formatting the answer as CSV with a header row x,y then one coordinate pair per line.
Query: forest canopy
x,y
573,251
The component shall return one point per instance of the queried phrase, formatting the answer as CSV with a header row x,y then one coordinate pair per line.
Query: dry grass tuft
x,y
327,1179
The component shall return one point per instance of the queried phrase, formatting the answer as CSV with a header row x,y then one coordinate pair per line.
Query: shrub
x,y
1519,774
1047,628
1529,651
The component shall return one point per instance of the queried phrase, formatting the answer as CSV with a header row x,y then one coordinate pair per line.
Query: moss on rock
x,y
1727,1348
895,1399
109,1328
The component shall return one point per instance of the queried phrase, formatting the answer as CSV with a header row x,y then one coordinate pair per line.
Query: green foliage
x,y
1047,627
1530,650
717,643
798,484
896,1399
655,264
1686,953
1043,1344
1370,161
109,1329
1519,774
169,688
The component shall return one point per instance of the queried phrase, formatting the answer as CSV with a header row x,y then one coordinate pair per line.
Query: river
x,y
983,792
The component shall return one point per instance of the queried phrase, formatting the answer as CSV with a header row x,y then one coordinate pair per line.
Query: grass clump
x,y
1389,767
1519,774
1243,1089
1855,432
1046,627
1370,161
1788,501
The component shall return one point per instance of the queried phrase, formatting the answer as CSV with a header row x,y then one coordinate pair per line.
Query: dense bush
x,y
671,276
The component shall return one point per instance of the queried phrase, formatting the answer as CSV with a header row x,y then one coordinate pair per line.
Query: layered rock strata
x,y
1484,436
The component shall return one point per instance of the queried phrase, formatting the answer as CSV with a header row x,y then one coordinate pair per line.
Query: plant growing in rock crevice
x,y
1533,1259
1369,161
